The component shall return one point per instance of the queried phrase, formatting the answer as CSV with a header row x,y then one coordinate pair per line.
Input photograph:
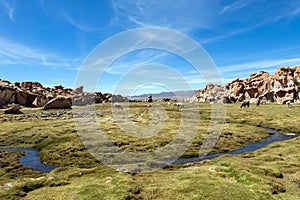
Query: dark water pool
x,y
31,159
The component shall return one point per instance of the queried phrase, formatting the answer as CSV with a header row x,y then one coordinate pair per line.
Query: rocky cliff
x,y
34,94
280,87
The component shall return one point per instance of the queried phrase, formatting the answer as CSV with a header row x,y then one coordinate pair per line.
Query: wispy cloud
x,y
15,53
237,5
80,26
9,8
260,65
176,14
199,15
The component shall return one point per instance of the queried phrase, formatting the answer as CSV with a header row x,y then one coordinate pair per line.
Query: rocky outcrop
x,y
277,88
212,93
34,94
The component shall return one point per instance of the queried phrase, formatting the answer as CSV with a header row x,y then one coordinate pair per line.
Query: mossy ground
x,y
270,173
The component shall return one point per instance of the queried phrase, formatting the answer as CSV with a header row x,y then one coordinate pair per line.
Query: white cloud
x,y
200,15
80,26
261,65
176,14
15,53
237,5
9,8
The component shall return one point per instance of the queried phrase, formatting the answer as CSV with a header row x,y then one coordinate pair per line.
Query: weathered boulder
x,y
25,98
13,109
59,103
7,95
118,98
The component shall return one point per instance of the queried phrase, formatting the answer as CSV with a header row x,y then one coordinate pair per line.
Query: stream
x,y
277,137
31,159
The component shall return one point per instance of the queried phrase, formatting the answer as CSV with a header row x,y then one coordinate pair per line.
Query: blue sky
x,y
48,40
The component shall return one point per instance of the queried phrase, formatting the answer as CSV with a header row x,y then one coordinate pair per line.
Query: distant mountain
x,y
176,94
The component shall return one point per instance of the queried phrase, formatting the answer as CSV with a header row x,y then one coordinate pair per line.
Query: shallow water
x,y
246,149
31,159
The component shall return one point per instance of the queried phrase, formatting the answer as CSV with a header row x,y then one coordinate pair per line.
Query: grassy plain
x,y
270,173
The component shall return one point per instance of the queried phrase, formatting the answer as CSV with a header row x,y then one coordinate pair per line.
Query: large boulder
x,y
25,98
13,109
118,98
59,103
7,95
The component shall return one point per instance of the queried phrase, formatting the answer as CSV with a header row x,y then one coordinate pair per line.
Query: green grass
x,y
269,173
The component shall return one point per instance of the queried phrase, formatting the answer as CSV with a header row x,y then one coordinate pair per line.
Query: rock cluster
x,y
278,88
34,94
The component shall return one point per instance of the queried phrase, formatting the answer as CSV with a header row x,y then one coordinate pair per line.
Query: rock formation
x,y
278,88
34,94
